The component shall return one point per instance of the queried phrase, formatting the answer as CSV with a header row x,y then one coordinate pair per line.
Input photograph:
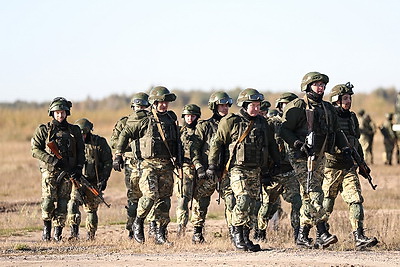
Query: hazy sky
x,y
96,48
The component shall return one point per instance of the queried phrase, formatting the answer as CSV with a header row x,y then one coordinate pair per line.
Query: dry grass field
x,y
20,217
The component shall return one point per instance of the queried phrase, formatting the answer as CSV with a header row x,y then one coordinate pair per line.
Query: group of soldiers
x,y
302,151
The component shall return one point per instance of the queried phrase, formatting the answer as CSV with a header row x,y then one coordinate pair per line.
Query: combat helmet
x,y
285,98
161,93
60,103
265,105
339,90
191,109
219,98
272,113
85,125
249,95
313,77
140,99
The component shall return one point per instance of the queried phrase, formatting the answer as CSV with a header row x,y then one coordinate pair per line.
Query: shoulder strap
x,y
162,134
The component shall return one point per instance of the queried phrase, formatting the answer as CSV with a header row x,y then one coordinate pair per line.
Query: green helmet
x,y
60,103
85,125
341,89
265,105
285,98
161,93
140,99
313,77
249,95
219,98
191,109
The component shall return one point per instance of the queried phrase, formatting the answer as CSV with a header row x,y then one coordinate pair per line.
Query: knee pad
x,y
165,204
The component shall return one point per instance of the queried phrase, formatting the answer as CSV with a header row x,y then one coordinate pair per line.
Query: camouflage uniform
x,y
367,131
247,160
56,194
205,188
389,138
184,188
340,172
156,180
131,165
97,170
327,135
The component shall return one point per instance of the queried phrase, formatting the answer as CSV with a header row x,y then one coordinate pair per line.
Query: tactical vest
x,y
249,152
152,144
282,146
66,143
92,163
187,139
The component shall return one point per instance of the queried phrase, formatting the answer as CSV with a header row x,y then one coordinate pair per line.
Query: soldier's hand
x,y
212,172
201,173
303,147
118,163
102,185
58,163
77,173
266,179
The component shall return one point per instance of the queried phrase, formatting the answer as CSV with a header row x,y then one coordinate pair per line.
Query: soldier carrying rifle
x,y
68,138
315,119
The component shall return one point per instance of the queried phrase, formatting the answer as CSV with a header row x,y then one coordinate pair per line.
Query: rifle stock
x,y
363,168
53,147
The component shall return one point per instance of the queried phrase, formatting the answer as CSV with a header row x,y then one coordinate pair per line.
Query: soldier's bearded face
x,y
346,102
59,115
223,109
162,106
253,108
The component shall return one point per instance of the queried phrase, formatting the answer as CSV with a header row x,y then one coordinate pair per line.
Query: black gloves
x,y
303,147
266,179
201,173
59,163
118,163
77,173
102,185
347,154
212,172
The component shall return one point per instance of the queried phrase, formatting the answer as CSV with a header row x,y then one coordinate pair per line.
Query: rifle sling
x,y
241,138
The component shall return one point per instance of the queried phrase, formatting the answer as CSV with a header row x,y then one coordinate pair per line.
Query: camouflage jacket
x,y
253,151
68,139
98,159
187,136
325,126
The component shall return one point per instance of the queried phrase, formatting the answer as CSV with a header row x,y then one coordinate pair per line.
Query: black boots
x,y
324,238
74,232
302,238
362,241
181,230
260,235
238,239
46,231
90,235
198,237
138,231
152,228
161,235
249,244
296,233
57,233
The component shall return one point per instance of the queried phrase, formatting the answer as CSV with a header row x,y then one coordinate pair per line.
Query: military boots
x,y
181,230
198,237
260,235
249,244
296,233
302,238
138,231
161,235
238,239
152,228
46,231
90,235
324,238
58,233
362,241
74,232
231,230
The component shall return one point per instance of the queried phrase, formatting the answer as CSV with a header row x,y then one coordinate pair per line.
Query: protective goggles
x,y
224,101
141,102
256,97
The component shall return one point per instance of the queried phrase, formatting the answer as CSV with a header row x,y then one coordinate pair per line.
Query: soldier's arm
x,y
119,125
292,119
221,139
38,145
80,146
131,131
273,149
105,156
196,147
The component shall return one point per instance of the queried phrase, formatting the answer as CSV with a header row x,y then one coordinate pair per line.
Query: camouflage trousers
x,y
245,184
55,198
348,184
287,185
229,199
366,142
201,201
184,193
90,206
311,210
132,176
156,184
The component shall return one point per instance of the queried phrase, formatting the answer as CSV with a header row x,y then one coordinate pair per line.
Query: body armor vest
x,y
92,163
152,144
187,139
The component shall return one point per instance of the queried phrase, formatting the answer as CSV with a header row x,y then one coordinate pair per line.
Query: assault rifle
x,y
363,168
83,181
310,139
